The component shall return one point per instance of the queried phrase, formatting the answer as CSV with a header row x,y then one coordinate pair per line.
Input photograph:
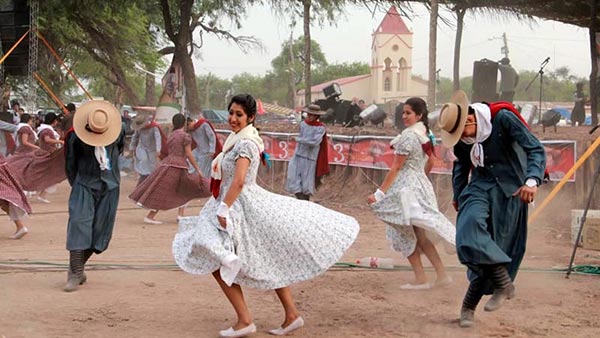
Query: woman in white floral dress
x,y
249,236
406,199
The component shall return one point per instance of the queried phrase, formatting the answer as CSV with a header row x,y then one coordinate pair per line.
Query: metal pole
x,y
14,46
55,54
49,91
583,218
541,93
565,179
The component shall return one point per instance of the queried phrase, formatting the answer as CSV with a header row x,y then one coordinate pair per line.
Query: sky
x,y
349,40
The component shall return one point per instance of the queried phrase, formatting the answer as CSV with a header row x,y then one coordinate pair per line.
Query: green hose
x,y
36,266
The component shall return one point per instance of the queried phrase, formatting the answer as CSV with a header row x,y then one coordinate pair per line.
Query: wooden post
x,y
594,55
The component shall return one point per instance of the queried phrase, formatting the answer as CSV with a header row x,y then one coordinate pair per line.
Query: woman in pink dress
x,y
44,167
170,185
13,200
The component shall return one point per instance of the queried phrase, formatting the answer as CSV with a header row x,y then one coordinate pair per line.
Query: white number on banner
x,y
338,149
284,147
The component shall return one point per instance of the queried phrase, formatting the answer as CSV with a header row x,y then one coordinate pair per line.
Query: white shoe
x,y
231,333
151,221
295,325
43,200
19,234
444,282
424,286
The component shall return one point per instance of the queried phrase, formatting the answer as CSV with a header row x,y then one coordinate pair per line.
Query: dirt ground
x,y
134,290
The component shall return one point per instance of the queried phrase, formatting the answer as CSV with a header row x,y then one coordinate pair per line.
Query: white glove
x,y
224,211
379,195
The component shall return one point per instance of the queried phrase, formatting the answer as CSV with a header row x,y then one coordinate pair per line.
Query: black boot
x,y
86,256
503,287
472,298
75,275
302,196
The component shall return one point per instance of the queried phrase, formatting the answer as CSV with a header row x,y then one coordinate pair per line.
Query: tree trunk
x,y
150,94
594,54
181,40
207,90
460,18
292,73
189,81
432,54
307,52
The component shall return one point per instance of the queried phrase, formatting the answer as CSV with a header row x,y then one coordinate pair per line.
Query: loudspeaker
x,y
485,78
14,22
333,90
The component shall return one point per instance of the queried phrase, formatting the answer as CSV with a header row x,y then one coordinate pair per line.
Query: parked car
x,y
216,116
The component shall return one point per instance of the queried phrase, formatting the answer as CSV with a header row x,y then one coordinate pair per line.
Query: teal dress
x,y
94,194
491,226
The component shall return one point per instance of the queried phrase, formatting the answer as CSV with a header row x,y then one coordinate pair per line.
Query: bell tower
x,y
391,60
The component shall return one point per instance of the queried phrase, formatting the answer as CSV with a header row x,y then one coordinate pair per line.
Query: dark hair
x,y
25,118
419,106
70,107
505,61
178,121
50,118
247,102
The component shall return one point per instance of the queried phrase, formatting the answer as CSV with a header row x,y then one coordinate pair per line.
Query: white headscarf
x,y
483,116
250,133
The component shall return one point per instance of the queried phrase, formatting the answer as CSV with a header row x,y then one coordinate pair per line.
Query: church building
x,y
391,76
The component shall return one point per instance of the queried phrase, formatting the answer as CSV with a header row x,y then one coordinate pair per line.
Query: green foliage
x,y
281,62
213,91
339,70
559,86
101,44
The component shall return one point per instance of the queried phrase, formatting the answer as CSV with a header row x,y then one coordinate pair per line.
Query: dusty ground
x,y
151,298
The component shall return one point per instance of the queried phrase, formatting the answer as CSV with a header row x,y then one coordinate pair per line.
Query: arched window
x,y
387,85
388,64
402,75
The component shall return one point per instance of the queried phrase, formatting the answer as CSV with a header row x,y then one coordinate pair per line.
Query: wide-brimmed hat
x,y
313,109
140,120
453,116
97,123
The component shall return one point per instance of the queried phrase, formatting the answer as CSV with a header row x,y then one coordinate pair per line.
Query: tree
x,y
180,26
281,63
102,42
320,10
460,18
335,71
432,53
213,90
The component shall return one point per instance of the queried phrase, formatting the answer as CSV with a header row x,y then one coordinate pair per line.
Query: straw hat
x,y
97,123
313,109
140,120
453,116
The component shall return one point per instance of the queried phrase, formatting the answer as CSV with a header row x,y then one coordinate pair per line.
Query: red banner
x,y
375,152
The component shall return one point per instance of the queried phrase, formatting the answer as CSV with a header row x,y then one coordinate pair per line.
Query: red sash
x,y
164,148
323,157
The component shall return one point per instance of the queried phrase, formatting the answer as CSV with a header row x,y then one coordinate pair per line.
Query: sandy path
x,y
341,303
